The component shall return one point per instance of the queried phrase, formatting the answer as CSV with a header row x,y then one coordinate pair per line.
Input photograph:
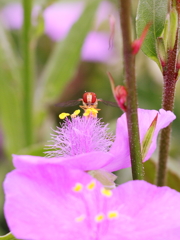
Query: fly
x,y
89,100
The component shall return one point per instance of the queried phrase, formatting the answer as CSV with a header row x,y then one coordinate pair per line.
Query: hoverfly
x,y
89,100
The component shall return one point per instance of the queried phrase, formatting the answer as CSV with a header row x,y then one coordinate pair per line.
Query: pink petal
x,y
150,212
12,16
96,48
120,148
84,162
59,18
41,205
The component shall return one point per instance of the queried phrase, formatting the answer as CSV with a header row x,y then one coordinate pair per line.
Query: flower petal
x,y
59,18
85,162
120,147
12,16
53,202
95,48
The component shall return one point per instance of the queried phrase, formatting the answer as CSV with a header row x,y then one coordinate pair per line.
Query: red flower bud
x,y
136,45
121,97
119,92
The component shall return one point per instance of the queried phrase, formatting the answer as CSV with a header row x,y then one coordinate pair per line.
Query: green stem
x,y
27,81
129,66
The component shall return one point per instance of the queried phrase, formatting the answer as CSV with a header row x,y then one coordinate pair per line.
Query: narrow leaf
x,y
66,55
154,12
8,236
10,95
148,137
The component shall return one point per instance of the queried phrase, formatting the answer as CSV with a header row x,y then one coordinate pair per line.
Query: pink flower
x,y
49,201
96,156
95,48
58,20
12,16
80,135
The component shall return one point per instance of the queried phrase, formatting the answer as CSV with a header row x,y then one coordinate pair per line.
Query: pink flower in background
x,y
95,48
58,20
12,16
48,201
95,158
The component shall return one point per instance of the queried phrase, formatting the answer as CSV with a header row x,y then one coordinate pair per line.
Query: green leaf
x,y
10,95
64,60
147,140
8,236
154,12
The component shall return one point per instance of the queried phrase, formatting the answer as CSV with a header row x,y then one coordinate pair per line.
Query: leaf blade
x,y
154,12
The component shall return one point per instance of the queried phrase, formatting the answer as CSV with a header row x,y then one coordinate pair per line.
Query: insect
x,y
89,100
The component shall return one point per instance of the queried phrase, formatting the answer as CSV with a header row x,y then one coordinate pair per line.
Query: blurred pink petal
x,y
95,48
49,201
59,18
12,16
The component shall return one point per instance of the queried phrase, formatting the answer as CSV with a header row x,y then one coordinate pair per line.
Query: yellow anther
x,y
91,111
91,185
78,187
75,113
80,218
106,192
112,214
99,217
63,115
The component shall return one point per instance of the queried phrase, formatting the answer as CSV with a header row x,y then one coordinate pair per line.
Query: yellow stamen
x,y
91,185
106,192
78,187
80,218
99,217
112,214
91,111
75,113
63,115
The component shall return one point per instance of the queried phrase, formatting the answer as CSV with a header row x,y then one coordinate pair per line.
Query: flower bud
x,y
165,32
119,92
161,51
173,26
178,61
136,45
121,97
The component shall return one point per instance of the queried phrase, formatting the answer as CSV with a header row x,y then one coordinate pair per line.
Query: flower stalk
x,y
131,113
170,75
170,78
27,79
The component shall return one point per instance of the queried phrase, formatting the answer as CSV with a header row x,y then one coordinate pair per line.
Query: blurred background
x,y
64,52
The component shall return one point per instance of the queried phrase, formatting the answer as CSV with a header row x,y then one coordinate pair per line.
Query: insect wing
x,y
69,103
112,104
